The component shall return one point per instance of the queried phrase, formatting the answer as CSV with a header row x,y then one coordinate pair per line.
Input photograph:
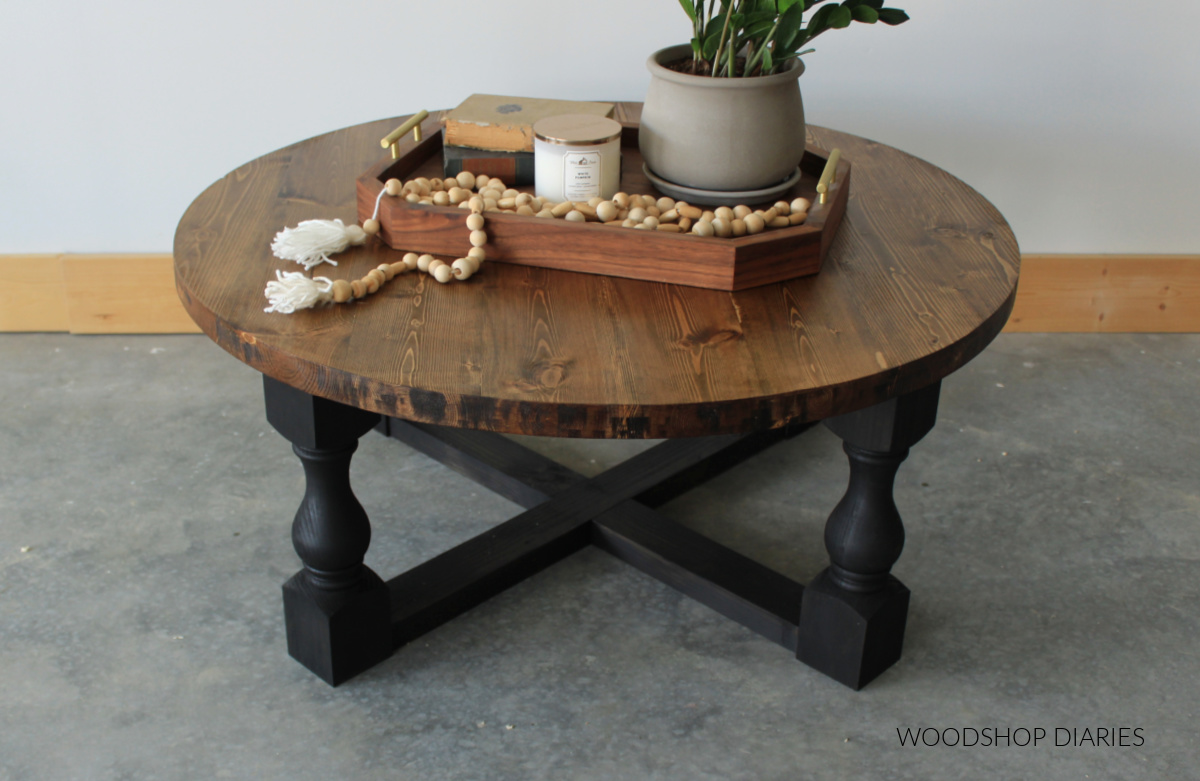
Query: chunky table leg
x,y
337,611
853,614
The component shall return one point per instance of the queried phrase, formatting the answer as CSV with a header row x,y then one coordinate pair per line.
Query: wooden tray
x,y
593,248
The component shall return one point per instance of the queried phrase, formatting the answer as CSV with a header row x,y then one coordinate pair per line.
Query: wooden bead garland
x,y
479,194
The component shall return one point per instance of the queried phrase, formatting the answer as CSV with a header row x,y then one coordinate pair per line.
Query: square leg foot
x,y
851,637
338,634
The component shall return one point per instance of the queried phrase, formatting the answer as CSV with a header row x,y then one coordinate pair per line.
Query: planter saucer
x,y
695,195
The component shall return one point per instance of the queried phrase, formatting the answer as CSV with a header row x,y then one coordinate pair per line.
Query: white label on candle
x,y
581,175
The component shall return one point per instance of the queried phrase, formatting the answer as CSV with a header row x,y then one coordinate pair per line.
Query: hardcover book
x,y
505,123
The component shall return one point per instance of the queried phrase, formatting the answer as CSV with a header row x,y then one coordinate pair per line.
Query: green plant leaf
x,y
840,17
783,6
789,26
689,8
768,62
892,16
865,14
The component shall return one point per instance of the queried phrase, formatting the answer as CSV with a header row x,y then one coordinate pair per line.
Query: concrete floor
x,y
1053,553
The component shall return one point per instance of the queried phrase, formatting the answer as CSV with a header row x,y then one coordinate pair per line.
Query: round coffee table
x,y
918,280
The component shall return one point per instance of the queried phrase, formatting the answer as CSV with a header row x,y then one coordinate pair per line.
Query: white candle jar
x,y
577,157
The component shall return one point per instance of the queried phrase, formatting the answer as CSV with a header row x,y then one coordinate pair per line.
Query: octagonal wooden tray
x,y
593,248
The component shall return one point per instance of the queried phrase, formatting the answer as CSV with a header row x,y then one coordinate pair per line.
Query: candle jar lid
x,y
576,130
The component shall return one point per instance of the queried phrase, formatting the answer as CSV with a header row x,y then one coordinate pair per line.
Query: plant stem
x,y
721,46
752,63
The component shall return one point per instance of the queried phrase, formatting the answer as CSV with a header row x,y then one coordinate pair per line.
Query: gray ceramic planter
x,y
721,134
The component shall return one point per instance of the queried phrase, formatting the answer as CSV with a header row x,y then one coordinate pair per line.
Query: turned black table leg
x,y
337,611
853,613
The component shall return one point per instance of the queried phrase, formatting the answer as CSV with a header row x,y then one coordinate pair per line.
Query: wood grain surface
x,y
919,279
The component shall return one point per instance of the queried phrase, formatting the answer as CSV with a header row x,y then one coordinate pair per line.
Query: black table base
x,y
342,618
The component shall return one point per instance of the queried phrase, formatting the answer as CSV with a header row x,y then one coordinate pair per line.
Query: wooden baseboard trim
x,y
128,294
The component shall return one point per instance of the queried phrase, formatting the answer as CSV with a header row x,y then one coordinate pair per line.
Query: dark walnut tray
x,y
593,248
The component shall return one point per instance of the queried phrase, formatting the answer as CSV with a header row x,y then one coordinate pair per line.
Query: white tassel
x,y
312,242
295,291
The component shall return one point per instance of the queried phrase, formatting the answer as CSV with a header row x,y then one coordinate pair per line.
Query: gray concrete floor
x,y
1053,553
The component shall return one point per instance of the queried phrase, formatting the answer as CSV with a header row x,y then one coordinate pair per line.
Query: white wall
x,y
1079,120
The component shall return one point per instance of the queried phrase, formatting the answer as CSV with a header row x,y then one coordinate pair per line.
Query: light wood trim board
x,y
123,294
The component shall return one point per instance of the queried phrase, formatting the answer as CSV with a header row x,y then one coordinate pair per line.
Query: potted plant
x,y
724,113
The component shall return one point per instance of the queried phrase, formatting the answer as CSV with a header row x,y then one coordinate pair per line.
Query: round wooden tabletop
x,y
920,278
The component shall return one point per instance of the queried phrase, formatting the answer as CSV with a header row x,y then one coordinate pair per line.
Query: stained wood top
x,y
920,278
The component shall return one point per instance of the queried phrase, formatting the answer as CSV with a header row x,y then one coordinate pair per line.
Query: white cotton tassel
x,y
312,242
295,291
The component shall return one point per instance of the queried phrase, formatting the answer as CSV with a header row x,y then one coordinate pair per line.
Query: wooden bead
x,y
691,212
782,208
489,204
628,223
670,215
561,209
476,204
424,261
475,222
669,227
650,222
665,204
477,253
737,227
433,264
371,227
797,218
393,187
708,215
525,210
466,180
458,194
575,216
606,211
496,183
481,181
342,291
768,215
386,270
437,184
398,268
376,275
685,224
585,210
702,228
410,260
754,223
358,289
507,203
545,213
524,199
621,200
779,222
370,284
724,212
638,214
464,268
413,198
741,210
801,205
478,238
443,273
425,185
636,202
441,198
722,228
511,193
